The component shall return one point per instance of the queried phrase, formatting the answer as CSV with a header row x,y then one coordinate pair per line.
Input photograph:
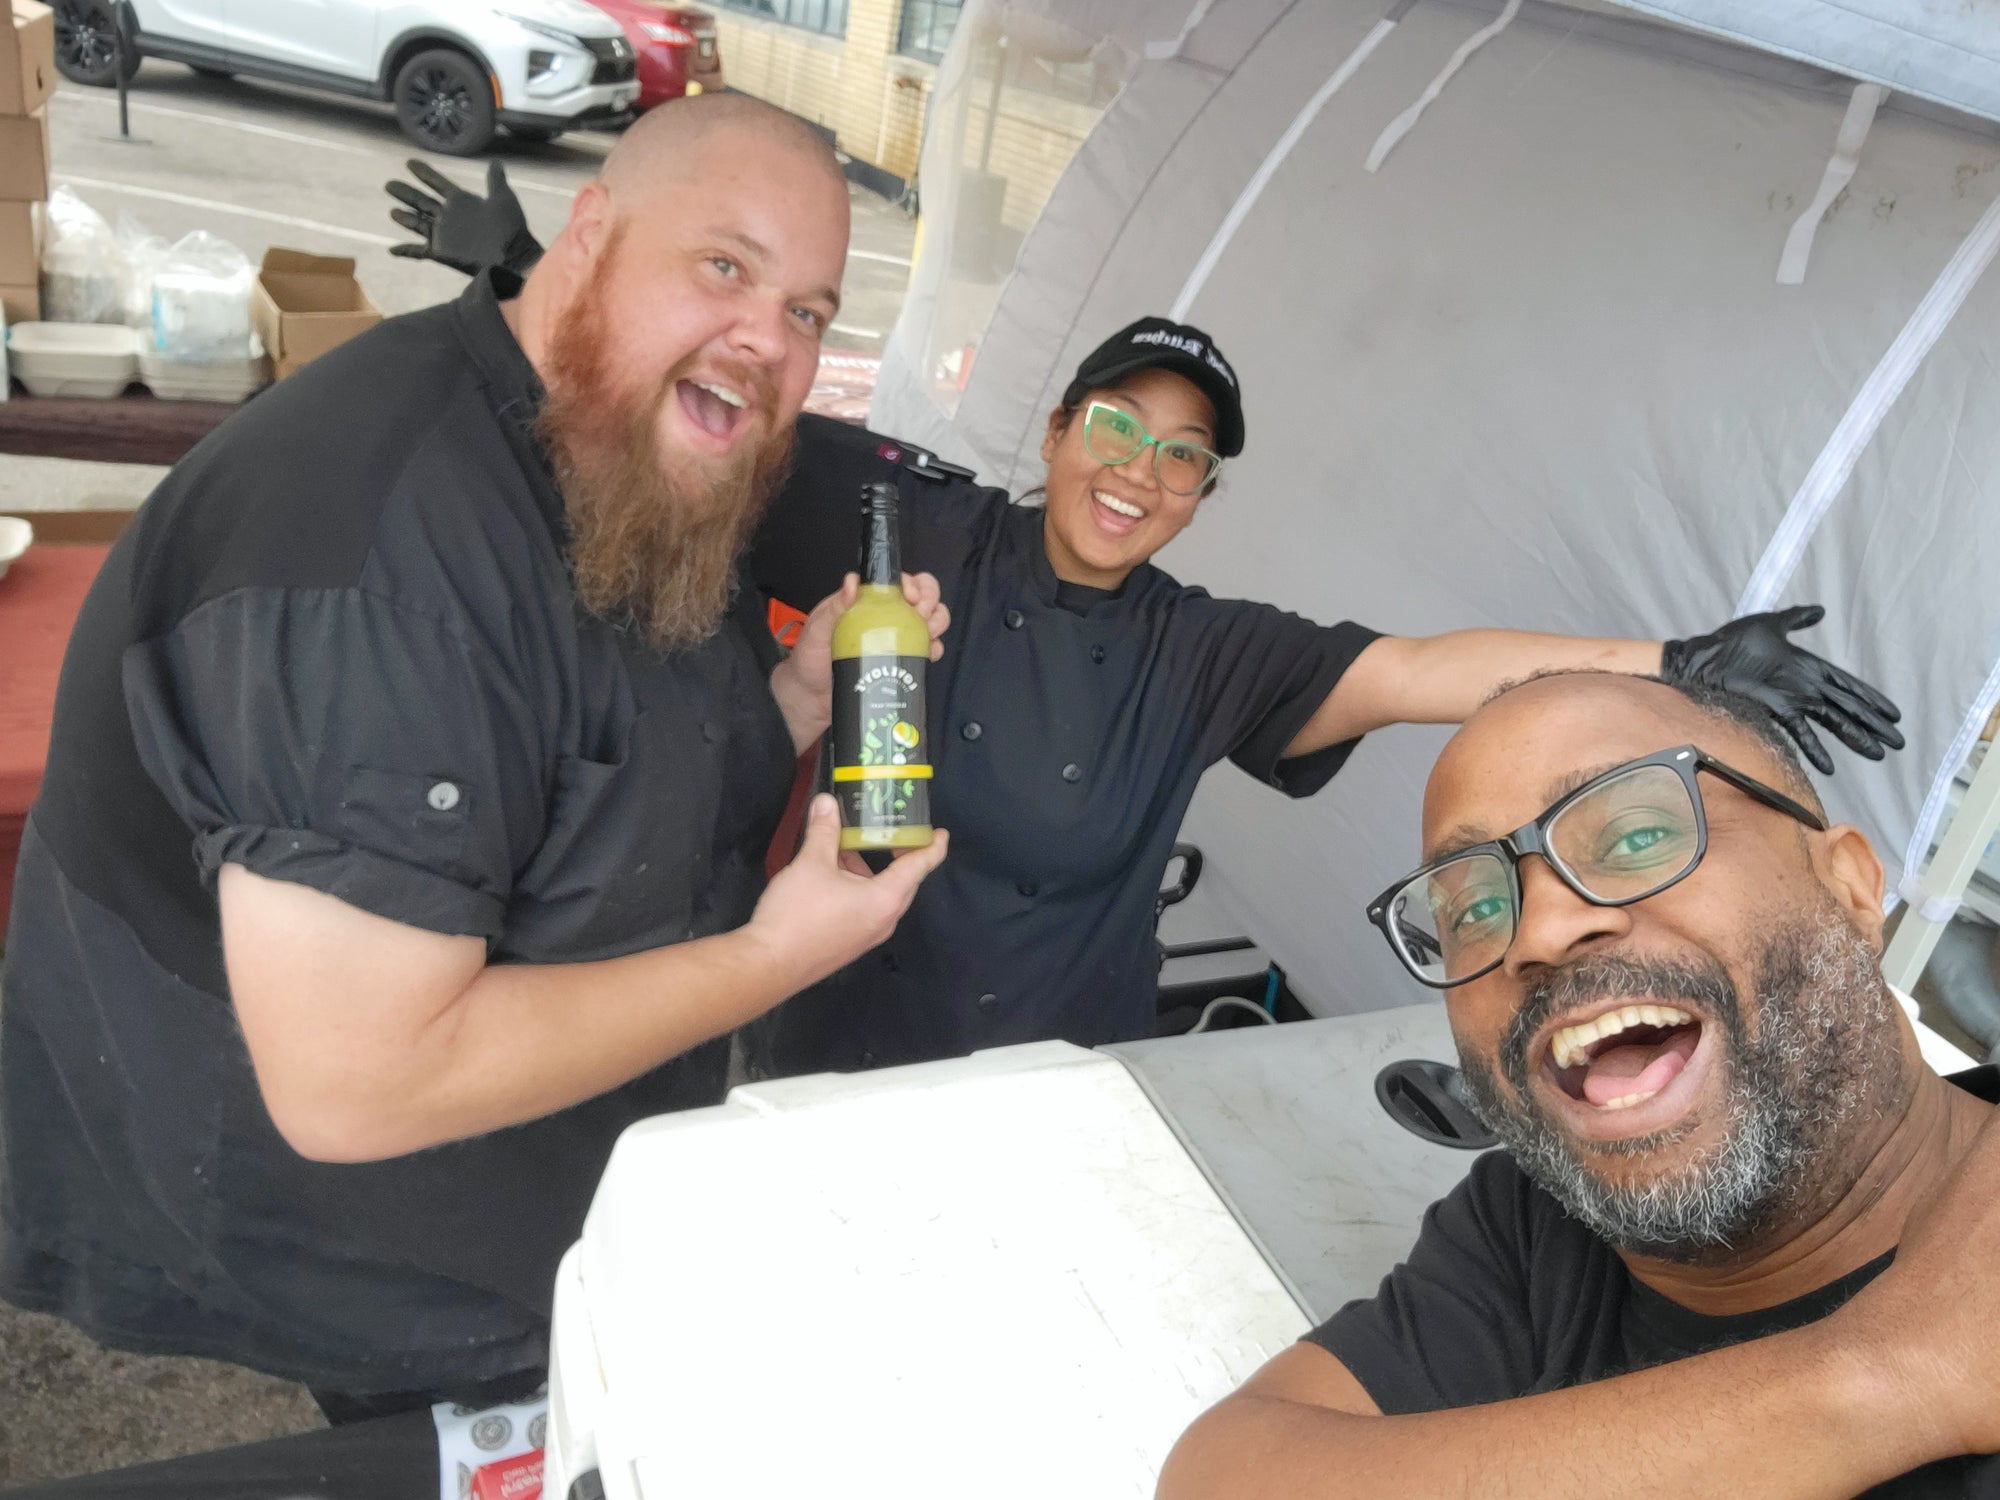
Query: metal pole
x,y
1945,878
122,22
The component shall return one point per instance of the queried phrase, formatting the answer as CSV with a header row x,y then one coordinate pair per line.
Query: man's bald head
x,y
676,324
669,143
1549,734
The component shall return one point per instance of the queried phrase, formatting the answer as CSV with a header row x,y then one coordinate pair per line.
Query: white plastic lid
x,y
112,340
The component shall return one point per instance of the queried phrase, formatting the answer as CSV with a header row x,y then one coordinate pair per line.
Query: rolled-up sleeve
x,y
1265,673
339,740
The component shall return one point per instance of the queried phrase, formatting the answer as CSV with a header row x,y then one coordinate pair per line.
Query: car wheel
x,y
540,134
444,102
87,44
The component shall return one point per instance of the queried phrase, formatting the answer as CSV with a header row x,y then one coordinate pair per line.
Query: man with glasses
x,y
1677,1279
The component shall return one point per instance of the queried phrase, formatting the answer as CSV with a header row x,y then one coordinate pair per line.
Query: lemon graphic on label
x,y
904,734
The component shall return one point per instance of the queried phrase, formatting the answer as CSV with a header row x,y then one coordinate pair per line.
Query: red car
x,y
676,47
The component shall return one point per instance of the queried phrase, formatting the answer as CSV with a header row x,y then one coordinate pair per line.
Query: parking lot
x,y
263,165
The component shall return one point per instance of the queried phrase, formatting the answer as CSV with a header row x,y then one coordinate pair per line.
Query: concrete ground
x,y
261,166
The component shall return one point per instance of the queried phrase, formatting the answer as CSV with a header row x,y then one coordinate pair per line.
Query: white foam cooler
x,y
1022,1273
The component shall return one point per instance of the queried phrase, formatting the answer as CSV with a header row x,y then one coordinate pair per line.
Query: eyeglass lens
x,y
1116,437
1620,841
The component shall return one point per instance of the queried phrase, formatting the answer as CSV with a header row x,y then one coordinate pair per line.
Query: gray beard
x,y
1825,1055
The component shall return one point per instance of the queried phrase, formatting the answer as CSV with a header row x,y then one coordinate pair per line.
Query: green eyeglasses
x,y
1113,437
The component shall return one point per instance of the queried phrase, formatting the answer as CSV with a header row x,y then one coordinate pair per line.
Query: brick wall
x,y
875,100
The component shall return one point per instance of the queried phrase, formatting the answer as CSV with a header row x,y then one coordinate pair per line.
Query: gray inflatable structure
x,y
1609,320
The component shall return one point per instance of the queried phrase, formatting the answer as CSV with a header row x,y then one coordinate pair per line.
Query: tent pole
x,y
1944,880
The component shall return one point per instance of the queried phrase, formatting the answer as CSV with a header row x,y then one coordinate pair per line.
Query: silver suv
x,y
456,70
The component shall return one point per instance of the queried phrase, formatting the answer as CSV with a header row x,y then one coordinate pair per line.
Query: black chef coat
x,y
339,646
1068,727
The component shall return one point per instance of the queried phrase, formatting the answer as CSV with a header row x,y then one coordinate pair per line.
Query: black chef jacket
x,y
339,646
1069,727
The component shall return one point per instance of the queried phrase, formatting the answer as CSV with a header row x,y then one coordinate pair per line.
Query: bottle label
x,y
881,761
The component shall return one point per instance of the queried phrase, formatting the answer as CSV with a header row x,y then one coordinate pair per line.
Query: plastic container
x,y
73,359
201,300
227,380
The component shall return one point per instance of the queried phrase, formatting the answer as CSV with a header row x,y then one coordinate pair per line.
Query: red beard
x,y
654,537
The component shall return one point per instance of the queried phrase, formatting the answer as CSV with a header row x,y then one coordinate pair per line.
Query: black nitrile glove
x,y
1751,656
460,229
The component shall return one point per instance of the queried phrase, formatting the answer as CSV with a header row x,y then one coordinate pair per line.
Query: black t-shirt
x,y
339,646
1068,727
1506,1295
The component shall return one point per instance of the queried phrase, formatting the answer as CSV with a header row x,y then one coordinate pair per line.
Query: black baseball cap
x,y
1162,344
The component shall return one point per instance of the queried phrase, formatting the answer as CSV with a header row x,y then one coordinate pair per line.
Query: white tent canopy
x,y
1537,369
1949,54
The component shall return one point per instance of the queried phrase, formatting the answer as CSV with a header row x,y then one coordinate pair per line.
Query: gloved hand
x,y
460,229
1751,656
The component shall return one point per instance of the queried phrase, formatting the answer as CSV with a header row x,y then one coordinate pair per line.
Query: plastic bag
x,y
201,300
141,251
83,271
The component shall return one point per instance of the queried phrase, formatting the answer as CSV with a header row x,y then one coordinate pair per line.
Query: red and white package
x,y
516,1478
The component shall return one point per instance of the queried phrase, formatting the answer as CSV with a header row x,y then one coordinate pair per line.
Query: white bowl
x,y
15,535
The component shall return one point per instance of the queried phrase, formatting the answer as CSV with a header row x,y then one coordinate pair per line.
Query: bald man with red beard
x,y
414,765
1740,1241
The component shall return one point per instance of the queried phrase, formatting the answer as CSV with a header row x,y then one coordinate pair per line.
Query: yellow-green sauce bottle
x,y
881,652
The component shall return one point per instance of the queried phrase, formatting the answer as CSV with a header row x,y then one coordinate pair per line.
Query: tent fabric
x,y
1949,54
1534,372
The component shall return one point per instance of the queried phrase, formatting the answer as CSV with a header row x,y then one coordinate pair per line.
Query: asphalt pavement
x,y
262,165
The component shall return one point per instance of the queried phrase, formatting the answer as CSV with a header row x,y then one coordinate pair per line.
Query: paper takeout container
x,y
226,380
73,359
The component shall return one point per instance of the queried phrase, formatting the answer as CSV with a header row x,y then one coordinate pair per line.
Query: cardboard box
x,y
22,304
20,243
27,59
304,305
24,157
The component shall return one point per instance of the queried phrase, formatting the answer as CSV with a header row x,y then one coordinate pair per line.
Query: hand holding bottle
x,y
824,910
803,682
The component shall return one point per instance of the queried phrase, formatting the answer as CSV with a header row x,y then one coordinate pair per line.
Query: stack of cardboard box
x,y
27,79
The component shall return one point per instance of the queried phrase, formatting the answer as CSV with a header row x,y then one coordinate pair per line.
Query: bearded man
x,y
1741,1239
413,770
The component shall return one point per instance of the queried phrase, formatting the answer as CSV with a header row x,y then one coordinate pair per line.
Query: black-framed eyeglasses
x,y
1617,839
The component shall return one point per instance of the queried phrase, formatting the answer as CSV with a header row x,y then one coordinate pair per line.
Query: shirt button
x,y
1097,654
1028,888
988,1004
867,1059
443,796
890,963
1072,772
709,731
971,731
1015,619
